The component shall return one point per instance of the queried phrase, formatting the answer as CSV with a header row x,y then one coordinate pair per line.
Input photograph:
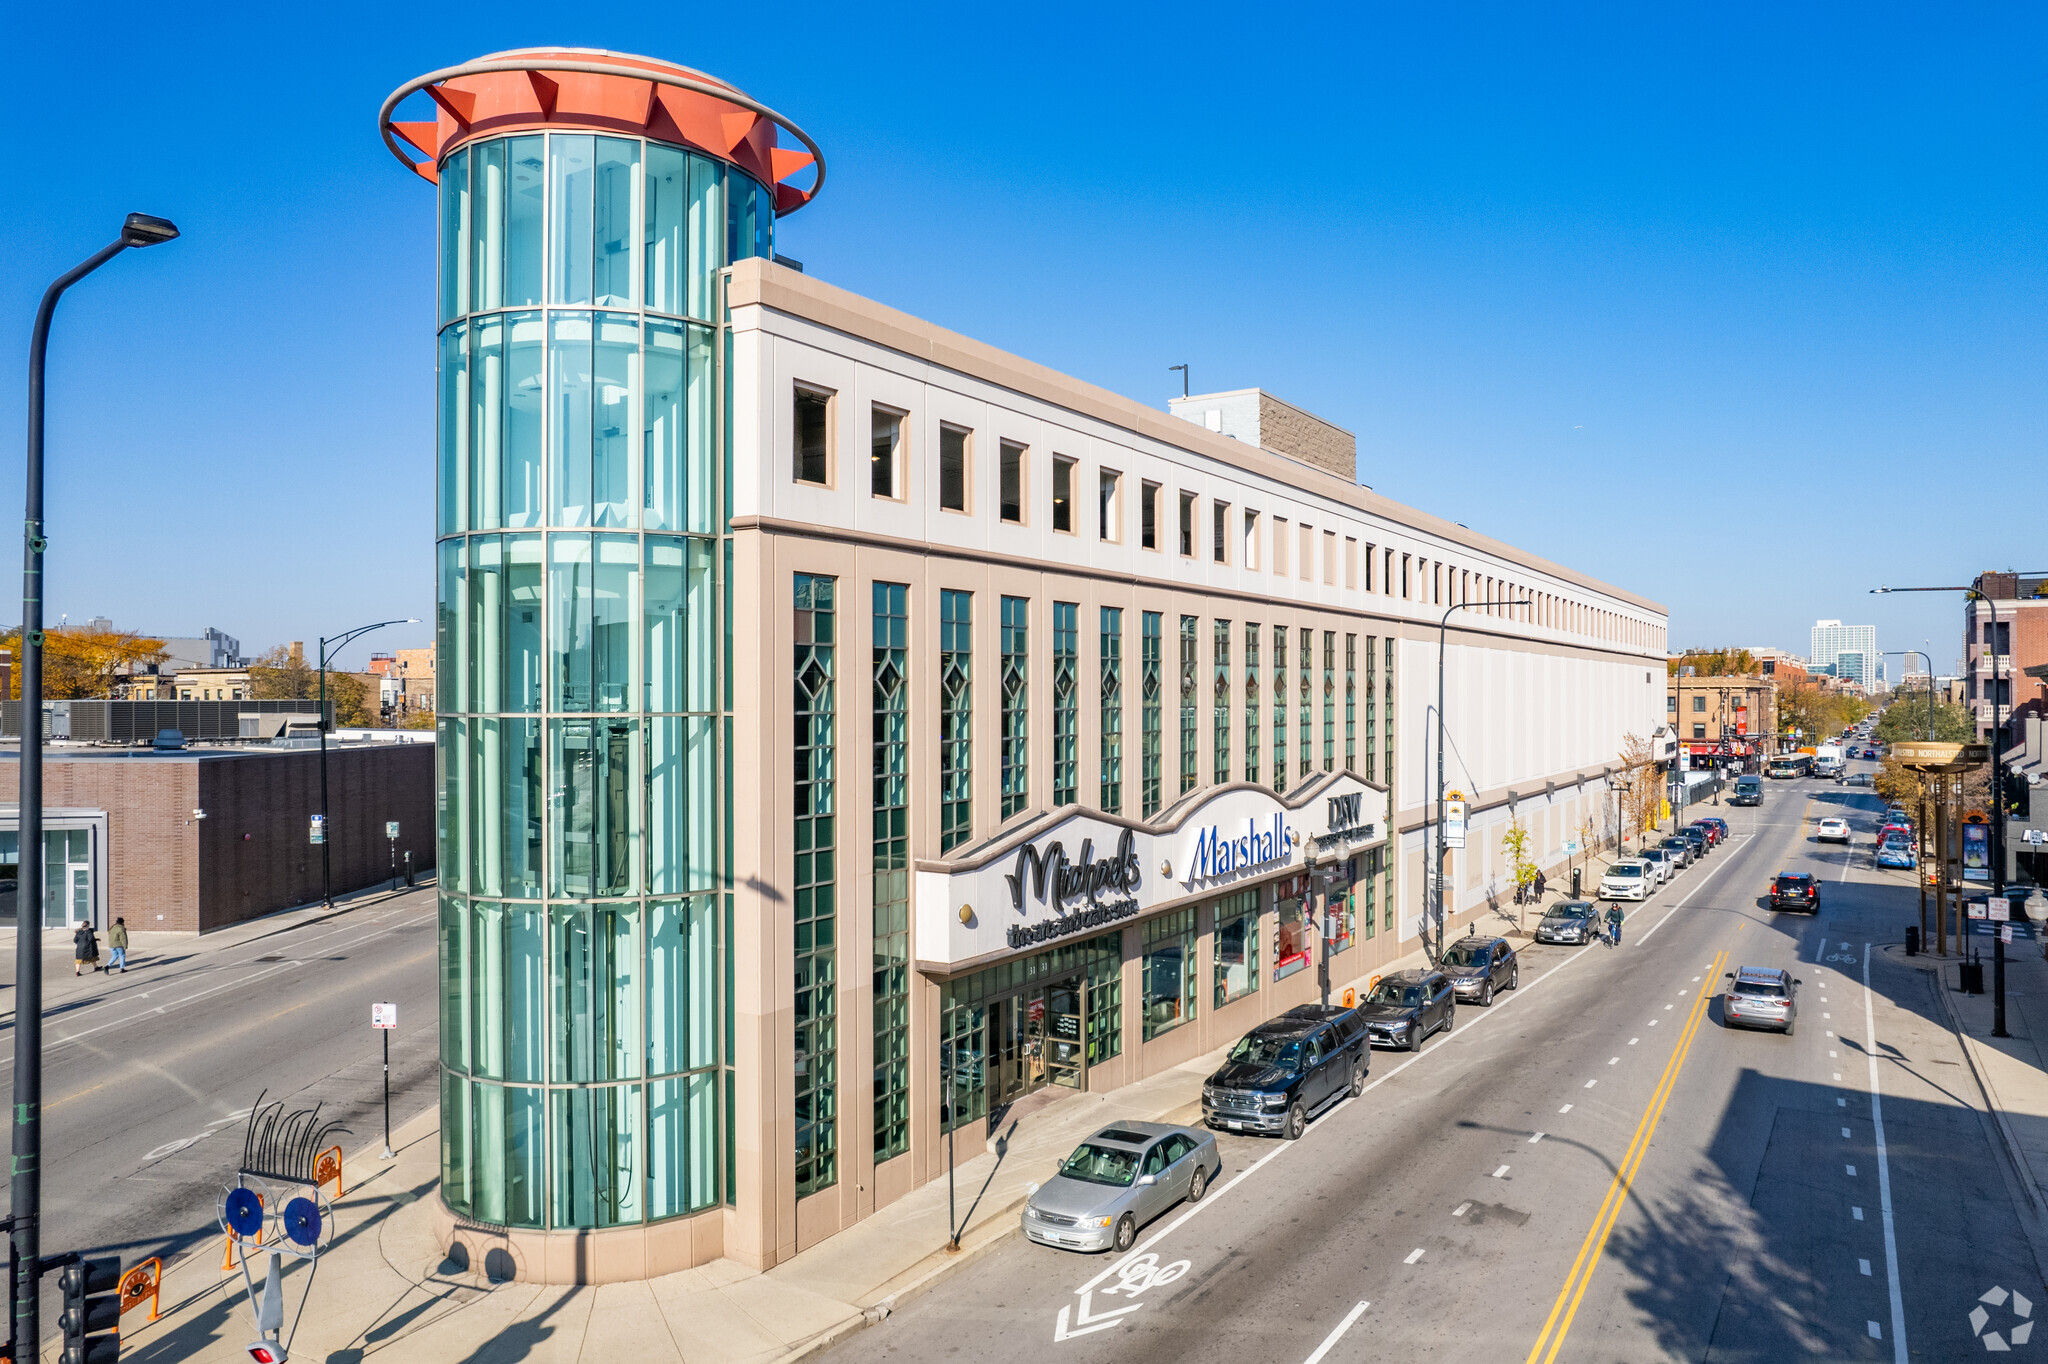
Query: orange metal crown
x,y
607,92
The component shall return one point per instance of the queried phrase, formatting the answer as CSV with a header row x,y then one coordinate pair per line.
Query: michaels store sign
x,y
1077,874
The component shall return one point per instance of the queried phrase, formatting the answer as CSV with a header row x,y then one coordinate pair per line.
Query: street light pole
x,y
339,642
26,1190
1442,629
1997,792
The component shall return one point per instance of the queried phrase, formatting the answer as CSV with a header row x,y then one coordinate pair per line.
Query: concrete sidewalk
x,y
2012,1070
386,1288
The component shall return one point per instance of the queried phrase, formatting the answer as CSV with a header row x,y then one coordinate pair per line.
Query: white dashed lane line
x,y
1413,1256
1538,1137
1566,1109
1501,1173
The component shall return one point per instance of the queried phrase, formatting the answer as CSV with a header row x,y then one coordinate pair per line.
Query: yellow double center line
x,y
1559,1322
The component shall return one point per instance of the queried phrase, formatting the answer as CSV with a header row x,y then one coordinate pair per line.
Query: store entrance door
x,y
1037,1038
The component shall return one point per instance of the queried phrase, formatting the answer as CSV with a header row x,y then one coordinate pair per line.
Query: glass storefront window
x,y
508,974
593,592
596,829
1338,923
1290,926
682,1144
1167,972
682,984
1237,946
456,987
507,1155
595,1155
596,992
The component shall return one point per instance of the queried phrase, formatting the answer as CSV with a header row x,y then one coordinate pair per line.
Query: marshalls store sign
x,y
1078,874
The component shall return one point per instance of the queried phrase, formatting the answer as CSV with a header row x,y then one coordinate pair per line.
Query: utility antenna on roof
x,y
1183,377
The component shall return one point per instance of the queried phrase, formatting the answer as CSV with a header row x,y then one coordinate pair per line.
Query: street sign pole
x,y
384,1018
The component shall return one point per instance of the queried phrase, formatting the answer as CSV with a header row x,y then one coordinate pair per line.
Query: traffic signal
x,y
91,1320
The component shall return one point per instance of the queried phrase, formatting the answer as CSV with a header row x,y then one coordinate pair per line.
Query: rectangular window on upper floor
x,y
1329,558
1251,539
885,453
1062,494
953,465
1306,562
812,428
1406,593
1187,525
1351,563
1219,532
1148,517
1010,482
1109,505
1387,572
1280,534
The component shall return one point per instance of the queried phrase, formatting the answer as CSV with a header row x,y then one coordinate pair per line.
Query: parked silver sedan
x,y
1117,1181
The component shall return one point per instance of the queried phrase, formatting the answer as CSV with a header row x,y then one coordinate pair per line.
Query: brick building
x,y
2020,603
122,835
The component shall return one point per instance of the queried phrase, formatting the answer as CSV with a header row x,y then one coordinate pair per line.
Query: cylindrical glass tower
x,y
588,204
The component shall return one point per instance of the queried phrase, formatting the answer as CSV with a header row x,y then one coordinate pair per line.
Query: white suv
x,y
1832,831
1630,880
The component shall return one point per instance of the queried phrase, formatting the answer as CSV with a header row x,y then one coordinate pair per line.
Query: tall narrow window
x,y
891,884
1062,494
956,718
1148,516
1251,540
1219,532
1252,715
813,428
1280,700
1304,691
1351,564
952,469
1109,510
1066,703
1372,707
816,1045
1280,545
1329,558
1222,718
1190,702
885,453
1307,566
1016,704
1112,709
1010,481
1151,720
1329,700
1387,711
1187,525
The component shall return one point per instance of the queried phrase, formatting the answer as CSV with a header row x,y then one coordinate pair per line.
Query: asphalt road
x,y
149,1075
1593,1169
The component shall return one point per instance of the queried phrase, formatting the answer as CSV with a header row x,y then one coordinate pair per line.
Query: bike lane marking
x,y
1884,1174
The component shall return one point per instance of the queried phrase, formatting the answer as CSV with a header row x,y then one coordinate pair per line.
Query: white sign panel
x,y
1086,874
1454,824
383,1015
2001,909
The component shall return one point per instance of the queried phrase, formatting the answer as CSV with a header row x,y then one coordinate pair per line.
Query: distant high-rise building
x,y
1847,651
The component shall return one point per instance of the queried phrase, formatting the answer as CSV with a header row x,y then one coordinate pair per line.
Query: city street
x,y
1595,1168
149,1074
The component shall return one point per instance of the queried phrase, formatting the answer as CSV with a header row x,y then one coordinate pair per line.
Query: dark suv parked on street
x,y
1479,966
1407,1006
1283,1072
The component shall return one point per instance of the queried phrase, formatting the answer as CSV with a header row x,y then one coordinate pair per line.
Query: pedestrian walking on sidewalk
x,y
1539,885
117,946
85,950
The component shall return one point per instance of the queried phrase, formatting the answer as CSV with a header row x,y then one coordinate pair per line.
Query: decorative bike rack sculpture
x,y
277,1196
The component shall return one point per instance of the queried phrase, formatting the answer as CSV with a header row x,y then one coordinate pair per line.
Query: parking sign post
x,y
384,1018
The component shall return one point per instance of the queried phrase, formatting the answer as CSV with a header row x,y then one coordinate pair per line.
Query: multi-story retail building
x,y
2008,618
847,728
1723,721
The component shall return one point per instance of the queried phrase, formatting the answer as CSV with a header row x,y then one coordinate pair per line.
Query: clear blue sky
x,y
1740,307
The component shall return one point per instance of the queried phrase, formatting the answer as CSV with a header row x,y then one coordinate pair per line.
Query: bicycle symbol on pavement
x,y
1134,1276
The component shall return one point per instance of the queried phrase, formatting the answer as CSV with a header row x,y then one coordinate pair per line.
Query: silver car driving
x,y
1761,997
1117,1181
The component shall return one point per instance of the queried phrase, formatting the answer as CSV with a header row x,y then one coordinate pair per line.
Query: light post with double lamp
x,y
1442,629
26,1194
339,642
1997,793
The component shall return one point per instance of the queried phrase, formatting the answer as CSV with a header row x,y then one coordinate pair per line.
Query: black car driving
x,y
1795,890
1479,966
1284,1072
1407,1006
